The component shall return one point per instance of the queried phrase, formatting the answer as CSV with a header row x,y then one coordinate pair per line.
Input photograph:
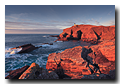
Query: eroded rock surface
x,y
15,74
88,33
36,72
79,61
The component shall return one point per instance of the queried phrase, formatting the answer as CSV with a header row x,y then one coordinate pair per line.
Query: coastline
x,y
96,61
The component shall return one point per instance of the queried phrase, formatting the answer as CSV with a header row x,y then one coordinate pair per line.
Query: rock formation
x,y
34,71
88,33
87,62
15,74
26,48
80,61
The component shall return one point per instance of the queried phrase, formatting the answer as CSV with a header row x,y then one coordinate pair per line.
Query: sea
x,y
14,61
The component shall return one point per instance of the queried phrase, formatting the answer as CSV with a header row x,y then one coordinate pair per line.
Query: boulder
x,y
15,74
26,48
36,72
33,71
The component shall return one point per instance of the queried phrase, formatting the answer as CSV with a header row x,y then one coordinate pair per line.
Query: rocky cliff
x,y
96,61
89,33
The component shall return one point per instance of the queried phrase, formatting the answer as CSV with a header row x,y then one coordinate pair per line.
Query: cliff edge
x,y
88,33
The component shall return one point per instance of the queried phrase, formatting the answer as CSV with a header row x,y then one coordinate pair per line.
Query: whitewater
x,y
14,61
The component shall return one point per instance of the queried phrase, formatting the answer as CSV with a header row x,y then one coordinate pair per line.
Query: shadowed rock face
x,y
79,34
88,33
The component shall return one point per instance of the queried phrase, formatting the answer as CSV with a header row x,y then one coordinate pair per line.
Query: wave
x,y
44,36
16,61
59,51
42,60
6,74
12,51
43,45
59,41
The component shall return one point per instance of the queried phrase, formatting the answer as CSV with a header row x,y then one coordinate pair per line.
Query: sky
x,y
52,19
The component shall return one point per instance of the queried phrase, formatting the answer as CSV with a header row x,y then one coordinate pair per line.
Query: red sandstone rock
x,y
15,74
104,55
89,32
108,52
105,33
107,48
80,61
36,72
72,63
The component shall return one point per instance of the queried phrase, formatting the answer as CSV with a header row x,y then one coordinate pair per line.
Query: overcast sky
x,y
52,19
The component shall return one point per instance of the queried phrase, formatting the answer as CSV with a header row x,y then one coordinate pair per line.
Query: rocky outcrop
x,y
70,61
101,76
36,72
87,62
26,48
88,33
15,74
47,43
80,61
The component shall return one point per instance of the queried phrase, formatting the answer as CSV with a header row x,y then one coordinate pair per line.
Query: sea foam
x,y
12,51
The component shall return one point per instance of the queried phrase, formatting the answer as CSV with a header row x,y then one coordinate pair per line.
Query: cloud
x,y
35,21
23,23
98,23
112,22
60,24
93,21
35,31
16,16
109,23
50,27
48,24
32,27
28,25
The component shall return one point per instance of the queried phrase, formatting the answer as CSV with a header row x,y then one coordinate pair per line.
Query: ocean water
x,y
14,61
